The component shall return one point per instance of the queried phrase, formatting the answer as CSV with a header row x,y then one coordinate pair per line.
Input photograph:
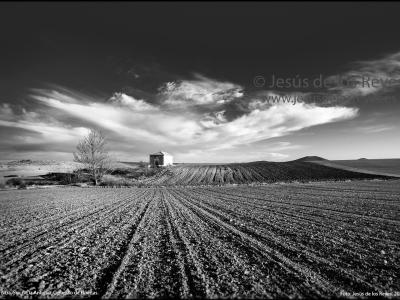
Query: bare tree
x,y
92,154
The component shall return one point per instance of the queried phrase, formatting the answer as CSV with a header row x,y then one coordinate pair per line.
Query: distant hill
x,y
311,158
27,167
389,167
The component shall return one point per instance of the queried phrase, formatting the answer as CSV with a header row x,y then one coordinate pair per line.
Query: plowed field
x,y
286,240
254,172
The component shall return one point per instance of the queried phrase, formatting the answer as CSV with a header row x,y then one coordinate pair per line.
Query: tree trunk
x,y
95,176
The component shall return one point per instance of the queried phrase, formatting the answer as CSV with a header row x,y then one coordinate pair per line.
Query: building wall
x,y
155,158
168,160
163,160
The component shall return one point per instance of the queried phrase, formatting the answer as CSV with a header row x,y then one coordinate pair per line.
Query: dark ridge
x,y
310,158
257,172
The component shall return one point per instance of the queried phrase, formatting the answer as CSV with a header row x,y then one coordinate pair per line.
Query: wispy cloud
x,y
138,125
374,128
29,131
369,77
199,91
128,101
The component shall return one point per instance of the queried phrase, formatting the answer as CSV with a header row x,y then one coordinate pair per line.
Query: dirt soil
x,y
279,240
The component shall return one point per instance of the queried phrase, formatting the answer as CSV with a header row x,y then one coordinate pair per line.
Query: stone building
x,y
161,159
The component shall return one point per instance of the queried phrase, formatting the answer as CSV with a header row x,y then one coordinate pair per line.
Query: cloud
x,y
199,91
29,130
211,131
281,146
368,77
267,98
130,102
276,120
138,126
374,128
279,156
6,111
234,155
214,119
135,122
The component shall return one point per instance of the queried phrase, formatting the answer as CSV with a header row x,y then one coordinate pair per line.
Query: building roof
x,y
161,153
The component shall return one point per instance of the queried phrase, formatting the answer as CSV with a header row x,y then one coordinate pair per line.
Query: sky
x,y
206,82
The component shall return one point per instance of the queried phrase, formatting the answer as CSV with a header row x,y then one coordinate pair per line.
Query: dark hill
x,y
310,158
253,172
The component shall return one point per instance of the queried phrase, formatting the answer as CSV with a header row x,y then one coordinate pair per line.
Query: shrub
x,y
82,175
135,173
63,178
127,172
16,182
22,185
120,172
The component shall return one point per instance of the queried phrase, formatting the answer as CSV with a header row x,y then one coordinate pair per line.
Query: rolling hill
x,y
253,172
388,167
311,158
